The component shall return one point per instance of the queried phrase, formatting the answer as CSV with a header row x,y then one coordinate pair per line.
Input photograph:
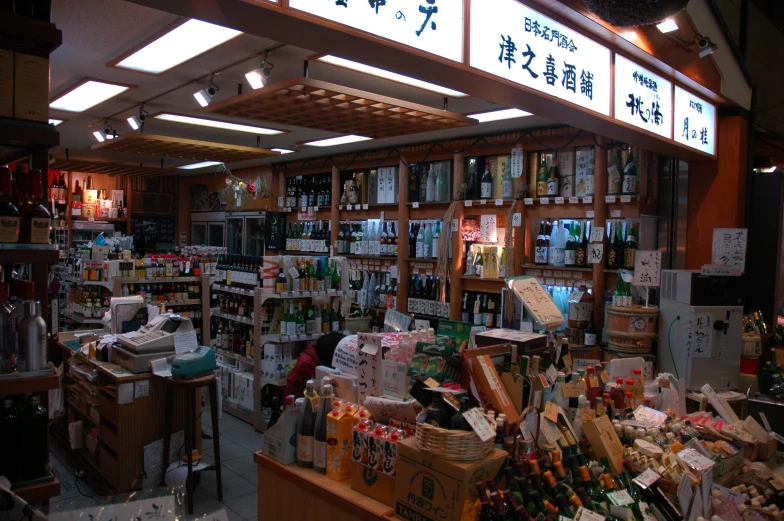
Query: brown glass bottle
x,y
9,214
35,218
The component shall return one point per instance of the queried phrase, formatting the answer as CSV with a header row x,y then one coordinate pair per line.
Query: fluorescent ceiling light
x,y
87,95
55,122
667,25
283,150
179,45
381,73
203,164
340,140
213,123
498,115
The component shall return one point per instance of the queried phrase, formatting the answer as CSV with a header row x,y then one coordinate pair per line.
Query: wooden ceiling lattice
x,y
190,149
101,167
302,102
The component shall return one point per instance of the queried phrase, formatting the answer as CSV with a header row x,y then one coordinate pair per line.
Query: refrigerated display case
x,y
253,233
208,228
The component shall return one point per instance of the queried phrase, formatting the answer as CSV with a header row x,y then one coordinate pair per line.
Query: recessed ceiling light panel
x,y
213,123
282,151
667,26
203,164
393,76
498,115
184,42
86,95
340,140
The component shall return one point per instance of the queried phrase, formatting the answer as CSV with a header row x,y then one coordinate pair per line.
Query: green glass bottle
x,y
629,185
335,276
630,247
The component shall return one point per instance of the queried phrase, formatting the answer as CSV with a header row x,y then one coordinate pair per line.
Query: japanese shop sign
x,y
699,335
434,26
642,98
729,247
695,122
533,50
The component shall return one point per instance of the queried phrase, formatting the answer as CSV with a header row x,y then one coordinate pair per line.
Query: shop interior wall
x,y
215,183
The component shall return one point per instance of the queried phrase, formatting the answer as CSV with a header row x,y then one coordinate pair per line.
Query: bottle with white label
x,y
507,184
430,185
629,185
553,183
486,185
306,424
541,247
590,334
320,431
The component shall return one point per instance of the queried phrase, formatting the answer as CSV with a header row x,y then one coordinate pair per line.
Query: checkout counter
x,y
117,406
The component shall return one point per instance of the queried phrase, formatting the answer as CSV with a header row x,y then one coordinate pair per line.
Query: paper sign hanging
x,y
517,162
537,301
369,374
597,234
699,335
488,231
729,247
595,253
647,268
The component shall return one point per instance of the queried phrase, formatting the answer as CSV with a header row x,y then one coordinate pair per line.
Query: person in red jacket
x,y
309,359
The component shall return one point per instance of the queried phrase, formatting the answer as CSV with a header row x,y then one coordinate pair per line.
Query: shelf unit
x,y
531,211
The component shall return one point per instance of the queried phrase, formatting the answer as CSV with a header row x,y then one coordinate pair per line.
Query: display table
x,y
292,493
126,408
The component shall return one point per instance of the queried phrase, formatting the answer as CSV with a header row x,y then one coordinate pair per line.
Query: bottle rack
x,y
532,209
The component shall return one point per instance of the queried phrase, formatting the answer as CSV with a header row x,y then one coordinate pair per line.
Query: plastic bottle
x,y
577,423
638,390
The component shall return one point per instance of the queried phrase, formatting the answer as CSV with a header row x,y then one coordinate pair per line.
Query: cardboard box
x,y
429,487
373,484
278,443
100,253
489,383
339,433
604,441
31,87
526,343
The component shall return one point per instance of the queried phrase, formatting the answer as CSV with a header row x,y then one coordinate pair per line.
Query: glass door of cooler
x,y
254,236
234,229
215,232
198,234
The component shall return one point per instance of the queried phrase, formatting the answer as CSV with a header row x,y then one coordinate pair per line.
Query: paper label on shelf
x,y
125,393
588,200
483,201
349,207
364,206
610,198
574,200
469,203
517,220
615,213
185,342
626,198
528,201
415,205
481,425
559,200
142,389
280,202
544,200
589,214
499,202
455,225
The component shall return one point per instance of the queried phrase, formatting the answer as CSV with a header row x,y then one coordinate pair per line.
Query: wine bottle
x,y
486,186
541,180
305,430
540,247
320,431
629,185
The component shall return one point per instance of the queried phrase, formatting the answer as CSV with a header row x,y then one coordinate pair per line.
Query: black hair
x,y
326,345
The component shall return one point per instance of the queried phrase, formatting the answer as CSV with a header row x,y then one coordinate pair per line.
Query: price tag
x,y
549,430
626,198
499,202
315,209
552,374
430,382
609,199
340,207
280,202
455,225
528,201
349,207
597,234
620,498
551,411
469,203
549,282
615,213
517,220
483,201
574,200
589,214
560,283
528,426
583,514
605,376
588,200
777,437
364,206
415,205
481,425
544,200
647,478
293,272
559,200
587,414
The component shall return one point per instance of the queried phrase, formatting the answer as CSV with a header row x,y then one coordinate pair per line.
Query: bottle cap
x,y
638,372
619,381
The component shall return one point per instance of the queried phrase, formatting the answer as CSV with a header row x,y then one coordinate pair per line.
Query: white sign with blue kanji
x,y
517,43
695,122
642,99
434,26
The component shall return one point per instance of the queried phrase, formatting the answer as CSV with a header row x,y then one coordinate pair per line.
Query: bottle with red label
x,y
9,213
35,218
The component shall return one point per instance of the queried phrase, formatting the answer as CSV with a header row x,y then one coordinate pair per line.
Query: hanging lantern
x,y
630,13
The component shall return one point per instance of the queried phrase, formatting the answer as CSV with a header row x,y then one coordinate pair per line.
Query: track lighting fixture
x,y
258,78
137,122
107,133
706,46
204,96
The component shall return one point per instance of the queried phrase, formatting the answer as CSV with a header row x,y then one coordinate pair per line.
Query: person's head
x,y
326,345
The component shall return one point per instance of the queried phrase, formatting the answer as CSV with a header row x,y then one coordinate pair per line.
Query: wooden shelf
x,y
559,268
103,167
29,382
38,492
368,257
18,137
480,279
304,102
99,219
24,32
28,254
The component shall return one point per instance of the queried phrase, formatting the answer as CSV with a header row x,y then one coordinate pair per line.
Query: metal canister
x,y
32,331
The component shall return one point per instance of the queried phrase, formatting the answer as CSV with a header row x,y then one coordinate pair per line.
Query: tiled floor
x,y
240,479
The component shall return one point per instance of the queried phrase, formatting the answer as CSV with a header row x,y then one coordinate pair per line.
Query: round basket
x,y
634,319
453,445
631,342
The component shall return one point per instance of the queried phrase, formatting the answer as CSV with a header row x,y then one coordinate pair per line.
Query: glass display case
x,y
254,236
208,228
234,229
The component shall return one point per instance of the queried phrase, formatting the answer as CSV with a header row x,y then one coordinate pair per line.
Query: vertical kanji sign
x,y
695,121
729,247
647,268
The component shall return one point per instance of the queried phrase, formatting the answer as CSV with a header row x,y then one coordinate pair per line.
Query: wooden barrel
x,y
632,329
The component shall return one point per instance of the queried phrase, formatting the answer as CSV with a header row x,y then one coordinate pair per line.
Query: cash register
x,y
195,364
135,350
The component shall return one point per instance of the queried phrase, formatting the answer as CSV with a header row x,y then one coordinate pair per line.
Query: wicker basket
x,y
453,445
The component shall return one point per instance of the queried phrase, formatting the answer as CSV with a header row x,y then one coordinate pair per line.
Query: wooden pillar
x,y
456,263
335,213
717,191
599,219
403,219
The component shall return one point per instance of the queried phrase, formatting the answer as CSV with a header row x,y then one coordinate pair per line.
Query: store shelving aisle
x,y
239,441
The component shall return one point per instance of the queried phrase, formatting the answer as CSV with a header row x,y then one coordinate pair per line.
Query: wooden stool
x,y
190,387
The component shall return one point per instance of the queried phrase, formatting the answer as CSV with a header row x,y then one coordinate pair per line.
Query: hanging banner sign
x,y
642,99
434,26
528,48
695,122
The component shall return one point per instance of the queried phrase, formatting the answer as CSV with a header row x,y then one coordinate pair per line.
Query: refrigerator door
x,y
254,236
215,233
198,234
234,228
